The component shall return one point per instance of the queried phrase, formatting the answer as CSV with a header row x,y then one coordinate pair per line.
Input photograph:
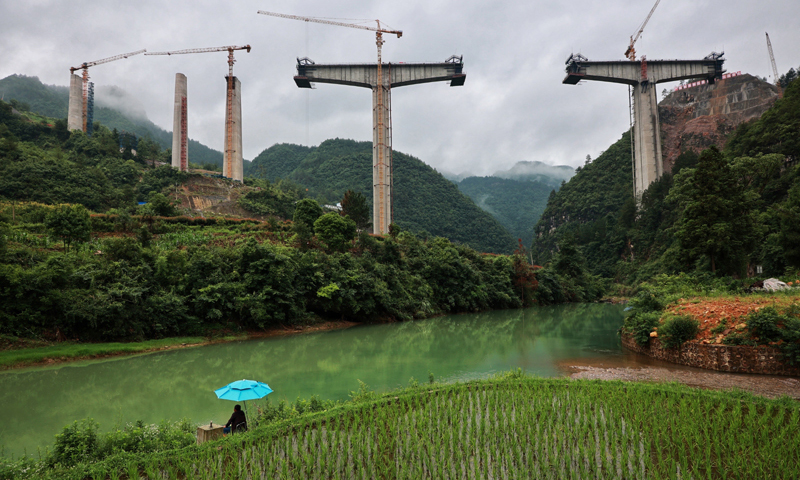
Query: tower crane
x,y
85,67
229,110
380,91
631,52
774,67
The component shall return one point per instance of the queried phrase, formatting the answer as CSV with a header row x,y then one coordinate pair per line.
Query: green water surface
x,y
37,403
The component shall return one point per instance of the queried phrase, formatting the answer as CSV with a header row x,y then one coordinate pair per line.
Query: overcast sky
x,y
512,107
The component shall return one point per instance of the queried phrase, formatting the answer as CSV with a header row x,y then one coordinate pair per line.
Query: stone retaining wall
x,y
725,358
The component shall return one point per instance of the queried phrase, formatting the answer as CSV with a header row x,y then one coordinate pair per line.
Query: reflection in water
x,y
37,403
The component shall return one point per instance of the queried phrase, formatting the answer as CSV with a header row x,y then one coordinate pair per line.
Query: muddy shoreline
x,y
770,386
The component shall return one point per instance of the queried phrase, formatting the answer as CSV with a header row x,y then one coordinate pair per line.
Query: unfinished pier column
x,y
232,163
643,76
648,164
381,158
394,75
180,128
75,112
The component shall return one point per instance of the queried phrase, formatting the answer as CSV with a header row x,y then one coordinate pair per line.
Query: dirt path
x,y
770,386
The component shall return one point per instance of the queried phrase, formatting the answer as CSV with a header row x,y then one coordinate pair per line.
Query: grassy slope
x,y
36,353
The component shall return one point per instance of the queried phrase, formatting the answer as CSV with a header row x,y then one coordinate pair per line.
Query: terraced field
x,y
505,428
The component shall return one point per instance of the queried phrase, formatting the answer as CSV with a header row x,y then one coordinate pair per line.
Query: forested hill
x,y
516,204
723,211
424,201
588,204
53,101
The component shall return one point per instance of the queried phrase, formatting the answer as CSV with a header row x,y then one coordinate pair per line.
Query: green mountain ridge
x,y
424,201
53,101
516,204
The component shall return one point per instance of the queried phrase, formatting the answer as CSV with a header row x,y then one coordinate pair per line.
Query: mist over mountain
x,y
537,171
113,97
114,108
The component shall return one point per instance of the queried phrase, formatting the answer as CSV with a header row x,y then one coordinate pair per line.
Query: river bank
x,y
18,353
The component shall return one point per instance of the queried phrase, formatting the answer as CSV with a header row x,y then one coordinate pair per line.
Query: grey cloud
x,y
513,106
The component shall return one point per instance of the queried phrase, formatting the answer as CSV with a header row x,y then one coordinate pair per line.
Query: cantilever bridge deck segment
x,y
643,76
366,76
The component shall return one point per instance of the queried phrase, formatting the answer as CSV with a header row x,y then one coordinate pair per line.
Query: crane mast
x,y
85,77
380,90
774,67
630,53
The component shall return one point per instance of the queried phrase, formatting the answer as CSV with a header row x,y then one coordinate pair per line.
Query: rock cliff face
x,y
696,118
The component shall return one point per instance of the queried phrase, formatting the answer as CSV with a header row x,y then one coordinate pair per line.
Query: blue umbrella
x,y
243,390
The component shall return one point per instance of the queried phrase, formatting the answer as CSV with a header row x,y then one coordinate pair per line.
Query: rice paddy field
x,y
505,428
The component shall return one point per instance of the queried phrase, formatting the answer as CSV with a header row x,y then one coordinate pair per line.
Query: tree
x,y
70,223
335,230
715,216
306,212
160,206
354,205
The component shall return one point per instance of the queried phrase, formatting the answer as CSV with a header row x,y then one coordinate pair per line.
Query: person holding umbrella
x,y
237,422
241,391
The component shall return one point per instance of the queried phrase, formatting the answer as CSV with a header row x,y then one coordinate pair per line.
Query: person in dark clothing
x,y
237,422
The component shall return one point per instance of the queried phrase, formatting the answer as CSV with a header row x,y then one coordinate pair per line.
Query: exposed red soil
x,y
712,312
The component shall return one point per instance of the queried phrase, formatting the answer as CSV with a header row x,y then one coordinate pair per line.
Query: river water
x,y
38,402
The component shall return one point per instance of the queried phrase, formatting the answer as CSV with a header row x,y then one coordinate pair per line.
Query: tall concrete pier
x,y
232,161
366,76
180,128
643,76
75,112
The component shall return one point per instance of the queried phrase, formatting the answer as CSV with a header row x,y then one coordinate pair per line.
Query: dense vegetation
x,y
53,101
148,276
723,212
516,204
512,425
424,201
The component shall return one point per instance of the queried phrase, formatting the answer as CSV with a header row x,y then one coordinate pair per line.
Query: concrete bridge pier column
x,y
75,112
381,159
232,160
180,128
647,138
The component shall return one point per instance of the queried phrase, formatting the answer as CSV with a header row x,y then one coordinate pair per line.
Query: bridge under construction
x,y
642,76
392,75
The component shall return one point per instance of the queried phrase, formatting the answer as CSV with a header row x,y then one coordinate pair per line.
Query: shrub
x,y
677,330
639,325
764,324
75,444
646,300
791,335
738,338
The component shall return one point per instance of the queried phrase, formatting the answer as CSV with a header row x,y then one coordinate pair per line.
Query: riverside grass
x,y
511,426
69,351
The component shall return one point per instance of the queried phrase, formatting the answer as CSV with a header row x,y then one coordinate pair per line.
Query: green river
x,y
38,402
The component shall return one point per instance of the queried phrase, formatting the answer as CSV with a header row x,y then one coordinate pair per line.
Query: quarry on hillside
x,y
698,117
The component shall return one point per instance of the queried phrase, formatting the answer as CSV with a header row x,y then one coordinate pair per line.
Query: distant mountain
x,y
114,108
455,177
516,204
424,201
537,172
